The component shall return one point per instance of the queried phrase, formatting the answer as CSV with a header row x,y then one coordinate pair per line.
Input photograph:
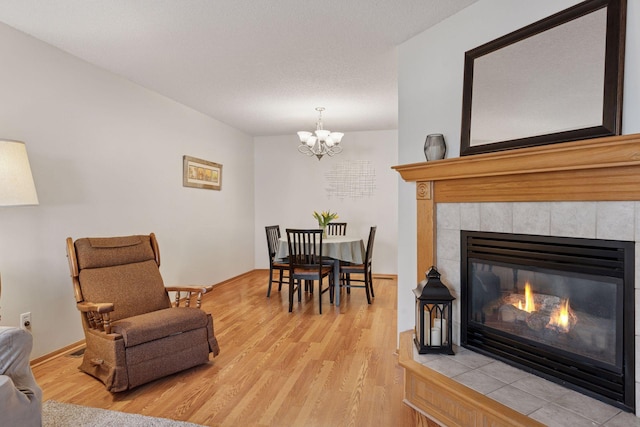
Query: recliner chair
x,y
134,334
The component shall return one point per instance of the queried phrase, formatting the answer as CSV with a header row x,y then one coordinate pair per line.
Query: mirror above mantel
x,y
558,79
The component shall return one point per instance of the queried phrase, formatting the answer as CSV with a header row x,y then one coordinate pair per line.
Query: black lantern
x,y
433,315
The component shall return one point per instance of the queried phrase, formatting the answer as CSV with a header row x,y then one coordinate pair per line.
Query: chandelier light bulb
x,y
324,141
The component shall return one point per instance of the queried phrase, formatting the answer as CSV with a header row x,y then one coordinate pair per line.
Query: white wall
x,y
106,157
430,99
290,186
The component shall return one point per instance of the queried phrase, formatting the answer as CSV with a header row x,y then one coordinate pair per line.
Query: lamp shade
x,y
336,136
322,134
304,136
16,182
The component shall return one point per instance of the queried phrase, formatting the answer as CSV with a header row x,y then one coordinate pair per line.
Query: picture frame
x,y
199,173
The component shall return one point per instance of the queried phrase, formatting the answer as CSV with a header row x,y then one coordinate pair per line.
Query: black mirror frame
x,y
613,77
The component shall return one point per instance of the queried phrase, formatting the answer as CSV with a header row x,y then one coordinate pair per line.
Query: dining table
x,y
339,248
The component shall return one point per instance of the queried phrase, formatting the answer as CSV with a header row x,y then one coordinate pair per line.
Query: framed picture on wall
x,y
200,173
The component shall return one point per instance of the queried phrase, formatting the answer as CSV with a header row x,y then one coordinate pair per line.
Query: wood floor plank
x,y
275,368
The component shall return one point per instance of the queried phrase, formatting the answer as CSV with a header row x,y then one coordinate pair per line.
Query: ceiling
x,y
260,66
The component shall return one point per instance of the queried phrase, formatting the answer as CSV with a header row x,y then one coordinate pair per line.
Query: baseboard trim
x,y
234,278
375,275
57,353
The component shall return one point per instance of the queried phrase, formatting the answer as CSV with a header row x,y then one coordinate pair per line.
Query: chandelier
x,y
324,141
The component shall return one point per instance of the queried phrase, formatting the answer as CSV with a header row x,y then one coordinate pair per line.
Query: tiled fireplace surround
x,y
524,200
594,220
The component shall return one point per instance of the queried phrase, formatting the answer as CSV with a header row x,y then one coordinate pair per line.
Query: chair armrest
x,y
97,314
185,288
199,290
100,307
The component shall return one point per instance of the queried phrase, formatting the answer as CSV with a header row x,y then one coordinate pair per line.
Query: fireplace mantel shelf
x,y
598,169
609,152
593,169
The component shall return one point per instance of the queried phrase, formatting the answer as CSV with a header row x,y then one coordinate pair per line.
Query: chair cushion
x,y
309,273
159,324
132,288
98,252
355,268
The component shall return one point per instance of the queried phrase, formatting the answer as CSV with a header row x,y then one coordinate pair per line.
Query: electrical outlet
x,y
25,320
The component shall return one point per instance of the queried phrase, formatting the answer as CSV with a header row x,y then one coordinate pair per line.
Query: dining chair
x,y
273,236
306,263
364,269
337,229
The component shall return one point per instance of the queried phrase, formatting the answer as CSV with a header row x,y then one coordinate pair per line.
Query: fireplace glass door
x,y
570,313
561,308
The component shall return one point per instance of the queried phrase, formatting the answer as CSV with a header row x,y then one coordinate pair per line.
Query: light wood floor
x,y
275,368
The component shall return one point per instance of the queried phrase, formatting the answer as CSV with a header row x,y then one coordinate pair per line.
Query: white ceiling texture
x,y
260,66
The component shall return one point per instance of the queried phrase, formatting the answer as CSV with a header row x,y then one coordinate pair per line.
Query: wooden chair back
x,y
369,251
120,270
305,248
337,229
273,236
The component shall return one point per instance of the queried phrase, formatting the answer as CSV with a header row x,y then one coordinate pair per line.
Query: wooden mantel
x,y
599,169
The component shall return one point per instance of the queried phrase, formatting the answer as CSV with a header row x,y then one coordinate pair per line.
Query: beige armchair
x,y
20,396
134,334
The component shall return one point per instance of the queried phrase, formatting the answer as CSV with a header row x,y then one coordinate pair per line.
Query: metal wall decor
x,y
351,179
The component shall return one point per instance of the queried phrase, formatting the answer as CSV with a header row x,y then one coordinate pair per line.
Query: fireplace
x,y
484,192
561,308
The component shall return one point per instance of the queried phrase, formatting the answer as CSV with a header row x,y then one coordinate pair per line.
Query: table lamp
x,y
16,182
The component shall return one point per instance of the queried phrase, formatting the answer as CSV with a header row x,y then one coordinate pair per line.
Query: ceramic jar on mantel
x,y
434,147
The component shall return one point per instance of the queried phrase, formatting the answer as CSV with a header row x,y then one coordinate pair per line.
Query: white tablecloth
x,y
344,248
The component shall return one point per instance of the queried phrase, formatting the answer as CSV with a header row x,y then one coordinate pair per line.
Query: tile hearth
x,y
535,397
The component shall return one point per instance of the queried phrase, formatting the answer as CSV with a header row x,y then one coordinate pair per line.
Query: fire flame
x,y
529,305
560,318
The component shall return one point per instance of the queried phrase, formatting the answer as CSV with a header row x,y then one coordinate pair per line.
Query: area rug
x,y
56,414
